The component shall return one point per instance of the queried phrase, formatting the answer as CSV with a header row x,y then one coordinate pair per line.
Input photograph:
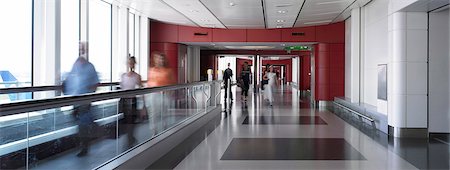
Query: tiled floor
x,y
242,141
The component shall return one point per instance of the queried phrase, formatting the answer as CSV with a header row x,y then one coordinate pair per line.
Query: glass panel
x,y
70,11
55,137
15,45
100,38
13,130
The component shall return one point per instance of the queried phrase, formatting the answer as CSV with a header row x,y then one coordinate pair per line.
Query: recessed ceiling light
x,y
331,2
193,10
280,20
232,4
284,5
205,20
279,26
326,13
317,22
282,11
283,45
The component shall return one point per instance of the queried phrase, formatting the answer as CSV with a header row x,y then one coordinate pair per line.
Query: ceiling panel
x,y
321,12
237,12
247,13
282,14
195,11
157,10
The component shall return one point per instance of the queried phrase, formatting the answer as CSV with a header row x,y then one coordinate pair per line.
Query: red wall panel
x,y
264,35
160,32
333,33
310,34
229,35
207,61
330,71
187,34
305,73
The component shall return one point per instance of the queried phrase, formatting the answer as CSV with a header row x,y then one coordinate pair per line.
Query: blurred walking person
x,y
269,89
227,75
157,103
82,79
130,80
245,82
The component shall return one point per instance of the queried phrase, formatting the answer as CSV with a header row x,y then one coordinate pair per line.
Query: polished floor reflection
x,y
302,120
243,141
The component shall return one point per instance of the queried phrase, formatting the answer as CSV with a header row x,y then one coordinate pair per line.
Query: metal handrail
x,y
43,104
43,88
351,110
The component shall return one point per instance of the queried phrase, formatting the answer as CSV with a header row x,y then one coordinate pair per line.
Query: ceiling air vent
x,y
201,34
298,34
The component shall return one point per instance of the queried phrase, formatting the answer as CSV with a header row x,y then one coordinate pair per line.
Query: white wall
x,y
375,46
439,112
348,61
295,70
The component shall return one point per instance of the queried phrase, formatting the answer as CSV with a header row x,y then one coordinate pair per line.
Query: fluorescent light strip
x,y
317,22
330,2
326,13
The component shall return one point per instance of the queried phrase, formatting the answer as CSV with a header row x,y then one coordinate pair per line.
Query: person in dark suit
x,y
227,75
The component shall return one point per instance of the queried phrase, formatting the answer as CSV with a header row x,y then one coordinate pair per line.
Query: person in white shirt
x,y
130,80
271,76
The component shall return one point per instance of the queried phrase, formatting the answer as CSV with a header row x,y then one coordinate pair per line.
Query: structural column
x,y
407,94
355,55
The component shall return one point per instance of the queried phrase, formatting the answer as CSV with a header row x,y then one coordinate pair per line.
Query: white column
x,y
47,38
84,20
408,76
355,49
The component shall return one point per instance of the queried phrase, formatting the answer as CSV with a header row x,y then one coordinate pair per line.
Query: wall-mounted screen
x,y
382,82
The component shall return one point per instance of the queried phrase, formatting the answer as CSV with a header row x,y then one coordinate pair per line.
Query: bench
x,y
365,112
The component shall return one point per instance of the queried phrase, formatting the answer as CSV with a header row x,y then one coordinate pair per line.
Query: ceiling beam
x,y
264,13
298,15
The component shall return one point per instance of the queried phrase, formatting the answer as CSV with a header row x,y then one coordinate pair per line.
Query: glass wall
x,y
70,34
100,38
131,34
16,43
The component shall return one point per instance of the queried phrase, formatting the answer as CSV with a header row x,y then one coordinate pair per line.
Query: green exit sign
x,y
297,47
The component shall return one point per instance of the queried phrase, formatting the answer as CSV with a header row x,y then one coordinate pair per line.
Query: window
x,y
131,34
100,38
70,10
16,43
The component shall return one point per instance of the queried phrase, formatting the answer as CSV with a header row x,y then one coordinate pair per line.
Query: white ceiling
x,y
234,14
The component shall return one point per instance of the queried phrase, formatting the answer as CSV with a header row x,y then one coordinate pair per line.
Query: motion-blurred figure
x,y
271,77
130,80
227,75
82,79
157,103
245,80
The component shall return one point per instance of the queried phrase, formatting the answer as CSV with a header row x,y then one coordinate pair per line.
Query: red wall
x,y
330,71
161,32
207,61
287,63
329,50
305,69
